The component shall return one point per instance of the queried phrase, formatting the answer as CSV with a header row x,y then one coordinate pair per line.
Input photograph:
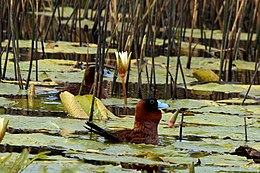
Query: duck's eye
x,y
152,101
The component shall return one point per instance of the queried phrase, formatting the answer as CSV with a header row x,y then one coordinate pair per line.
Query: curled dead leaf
x,y
205,75
3,127
72,105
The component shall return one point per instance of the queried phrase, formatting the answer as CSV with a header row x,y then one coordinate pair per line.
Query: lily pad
x,y
5,101
73,166
227,88
11,90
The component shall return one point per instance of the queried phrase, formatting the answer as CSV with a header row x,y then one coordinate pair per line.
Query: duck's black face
x,y
147,111
151,104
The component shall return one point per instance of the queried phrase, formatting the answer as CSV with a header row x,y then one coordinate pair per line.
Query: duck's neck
x,y
149,128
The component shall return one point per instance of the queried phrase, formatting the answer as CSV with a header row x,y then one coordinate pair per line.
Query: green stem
x,y
124,91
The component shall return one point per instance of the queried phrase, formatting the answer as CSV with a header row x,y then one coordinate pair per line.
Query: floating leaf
x,y
149,155
5,102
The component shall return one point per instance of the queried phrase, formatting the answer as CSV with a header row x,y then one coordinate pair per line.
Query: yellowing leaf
x,y
205,75
79,106
72,105
85,102
106,114
3,126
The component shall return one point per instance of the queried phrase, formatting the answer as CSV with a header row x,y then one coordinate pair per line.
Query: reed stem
x,y
245,125
181,125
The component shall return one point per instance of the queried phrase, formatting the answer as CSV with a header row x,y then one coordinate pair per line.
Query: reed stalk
x,y
194,21
83,79
179,65
32,46
139,68
1,35
201,17
86,8
252,82
154,10
7,53
225,37
169,29
59,33
15,41
245,128
181,126
211,25
234,40
51,20
95,84
253,15
114,10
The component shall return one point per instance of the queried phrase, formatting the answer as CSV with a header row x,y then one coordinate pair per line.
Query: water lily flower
x,y
3,126
173,118
122,59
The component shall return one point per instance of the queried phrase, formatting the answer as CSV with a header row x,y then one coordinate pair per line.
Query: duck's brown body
x,y
142,133
147,118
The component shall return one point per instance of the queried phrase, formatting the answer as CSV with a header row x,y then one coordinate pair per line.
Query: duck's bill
x,y
107,74
162,105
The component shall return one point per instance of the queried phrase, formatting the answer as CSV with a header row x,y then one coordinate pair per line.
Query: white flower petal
x,y
124,58
122,61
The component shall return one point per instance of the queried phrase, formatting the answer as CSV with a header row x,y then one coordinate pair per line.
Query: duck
x,y
89,79
145,130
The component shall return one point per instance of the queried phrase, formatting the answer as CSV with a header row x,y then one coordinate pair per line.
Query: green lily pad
x,y
227,88
231,109
60,47
217,34
189,104
11,89
5,102
238,101
74,166
51,124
